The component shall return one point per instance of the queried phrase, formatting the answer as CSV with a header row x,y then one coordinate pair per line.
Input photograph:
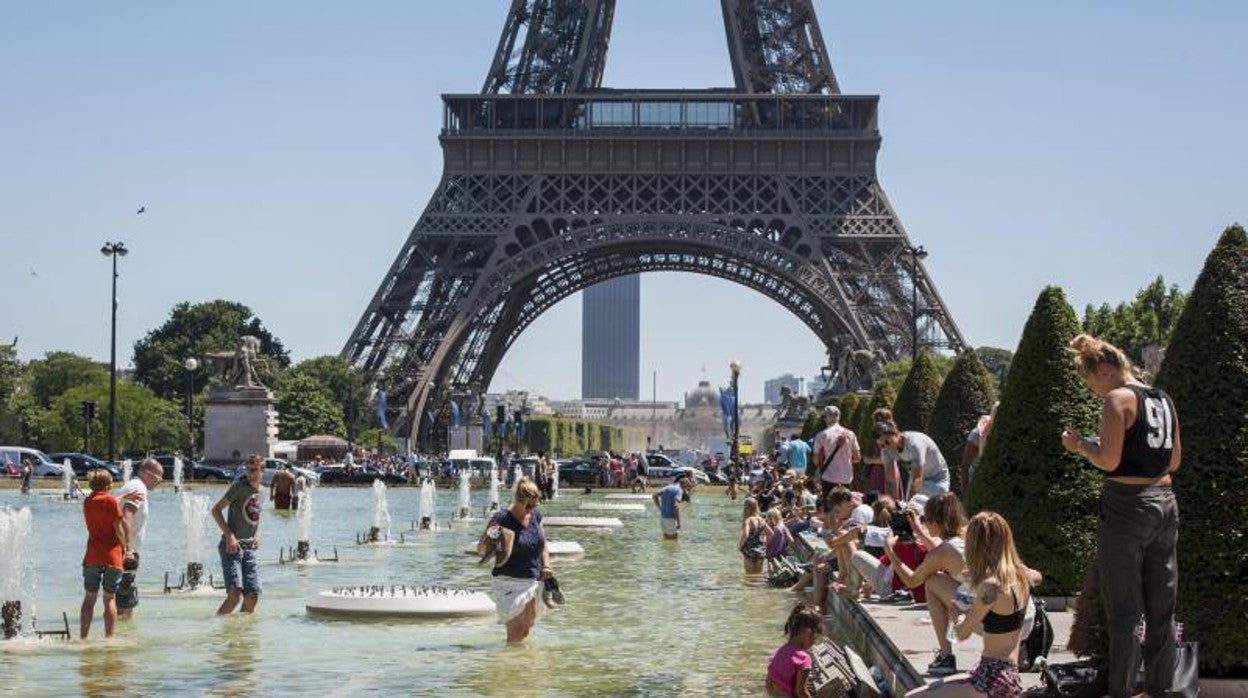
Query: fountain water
x,y
194,513
15,525
516,474
381,514
67,477
465,495
127,469
554,485
177,474
494,488
425,511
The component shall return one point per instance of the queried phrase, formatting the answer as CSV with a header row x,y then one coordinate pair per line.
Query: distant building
x,y
611,339
772,388
815,385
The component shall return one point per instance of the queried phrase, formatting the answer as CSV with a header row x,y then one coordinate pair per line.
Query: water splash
x,y
67,478
305,515
494,485
16,572
194,515
465,495
177,474
516,474
554,485
127,469
425,511
381,508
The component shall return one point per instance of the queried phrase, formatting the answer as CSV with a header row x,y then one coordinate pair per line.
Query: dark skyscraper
x,y
611,339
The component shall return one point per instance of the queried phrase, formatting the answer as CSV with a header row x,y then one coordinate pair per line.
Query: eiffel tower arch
x,y
552,183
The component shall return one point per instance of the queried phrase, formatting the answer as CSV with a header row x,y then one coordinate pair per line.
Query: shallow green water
x,y
645,617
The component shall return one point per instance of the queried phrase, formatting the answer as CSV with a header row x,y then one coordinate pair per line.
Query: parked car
x,y
359,475
13,455
83,464
203,471
578,471
272,465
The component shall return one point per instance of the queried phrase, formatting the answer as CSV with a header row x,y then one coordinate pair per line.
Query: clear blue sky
x,y
284,150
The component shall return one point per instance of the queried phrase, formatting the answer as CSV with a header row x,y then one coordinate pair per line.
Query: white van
x,y
11,461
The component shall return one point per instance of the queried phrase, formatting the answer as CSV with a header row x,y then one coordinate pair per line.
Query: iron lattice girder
x,y
776,47
563,49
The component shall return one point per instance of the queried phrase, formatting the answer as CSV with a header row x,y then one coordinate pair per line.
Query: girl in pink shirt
x,y
788,673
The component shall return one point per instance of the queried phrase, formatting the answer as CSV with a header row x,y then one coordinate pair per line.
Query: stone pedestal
x,y
239,421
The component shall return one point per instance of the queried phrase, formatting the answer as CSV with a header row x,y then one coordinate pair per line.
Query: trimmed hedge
x,y
917,397
967,394
812,425
1206,374
1048,495
884,396
848,407
571,437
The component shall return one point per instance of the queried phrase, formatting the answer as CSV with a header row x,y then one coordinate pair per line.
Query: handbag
x,y
1039,641
1186,670
1089,679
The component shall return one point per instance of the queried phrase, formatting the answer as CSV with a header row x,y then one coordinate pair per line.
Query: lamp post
x,y
190,364
916,254
114,250
735,452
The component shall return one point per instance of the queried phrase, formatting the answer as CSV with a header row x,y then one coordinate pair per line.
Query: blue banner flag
x,y
454,413
485,423
728,409
381,409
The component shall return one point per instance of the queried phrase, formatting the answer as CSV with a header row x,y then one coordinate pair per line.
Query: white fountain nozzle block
x,y
625,495
611,506
582,522
400,601
561,548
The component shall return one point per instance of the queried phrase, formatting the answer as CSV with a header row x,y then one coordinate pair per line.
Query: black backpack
x,y
1038,643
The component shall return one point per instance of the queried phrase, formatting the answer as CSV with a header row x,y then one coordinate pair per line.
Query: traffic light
x,y
89,409
500,414
519,419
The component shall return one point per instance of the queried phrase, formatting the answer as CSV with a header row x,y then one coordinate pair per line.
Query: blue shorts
x,y
240,570
92,575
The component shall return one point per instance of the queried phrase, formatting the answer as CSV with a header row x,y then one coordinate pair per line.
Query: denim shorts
x,y
92,575
241,570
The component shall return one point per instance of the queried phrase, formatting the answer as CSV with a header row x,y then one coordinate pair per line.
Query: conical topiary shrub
x,y
813,425
1206,374
966,395
1048,495
848,407
884,396
917,396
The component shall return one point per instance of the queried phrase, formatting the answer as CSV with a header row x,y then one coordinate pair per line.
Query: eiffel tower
x,y
552,183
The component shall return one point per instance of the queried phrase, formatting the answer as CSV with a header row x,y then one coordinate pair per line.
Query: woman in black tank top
x,y
1137,533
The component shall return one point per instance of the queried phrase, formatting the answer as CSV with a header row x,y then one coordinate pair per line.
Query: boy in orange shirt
x,y
106,543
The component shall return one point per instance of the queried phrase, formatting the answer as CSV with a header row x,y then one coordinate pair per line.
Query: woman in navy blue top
x,y
525,562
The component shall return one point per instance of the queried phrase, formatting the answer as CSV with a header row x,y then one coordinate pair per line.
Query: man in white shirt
x,y
133,498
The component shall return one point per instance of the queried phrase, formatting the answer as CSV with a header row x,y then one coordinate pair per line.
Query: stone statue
x,y
1153,355
237,368
793,408
859,369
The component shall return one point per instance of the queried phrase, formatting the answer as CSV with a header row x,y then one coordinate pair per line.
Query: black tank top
x,y
1149,440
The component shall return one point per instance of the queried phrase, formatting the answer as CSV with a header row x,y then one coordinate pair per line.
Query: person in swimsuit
x,y
1137,533
1002,592
751,543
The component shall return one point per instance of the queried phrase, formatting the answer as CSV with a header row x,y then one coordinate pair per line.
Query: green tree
x,y
966,394
1148,319
883,397
848,407
10,384
895,372
1047,494
304,409
997,361
812,425
917,396
193,331
1206,374
345,386
145,423
59,371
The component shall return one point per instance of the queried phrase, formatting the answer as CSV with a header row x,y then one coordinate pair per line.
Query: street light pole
x,y
735,451
114,250
191,364
916,254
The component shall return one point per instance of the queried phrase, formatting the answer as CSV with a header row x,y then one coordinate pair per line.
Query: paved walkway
x,y
910,629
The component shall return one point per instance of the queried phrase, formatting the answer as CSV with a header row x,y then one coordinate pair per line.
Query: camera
x,y
900,523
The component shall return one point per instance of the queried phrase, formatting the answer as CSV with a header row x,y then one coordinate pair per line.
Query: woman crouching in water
x,y
1002,592
522,560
